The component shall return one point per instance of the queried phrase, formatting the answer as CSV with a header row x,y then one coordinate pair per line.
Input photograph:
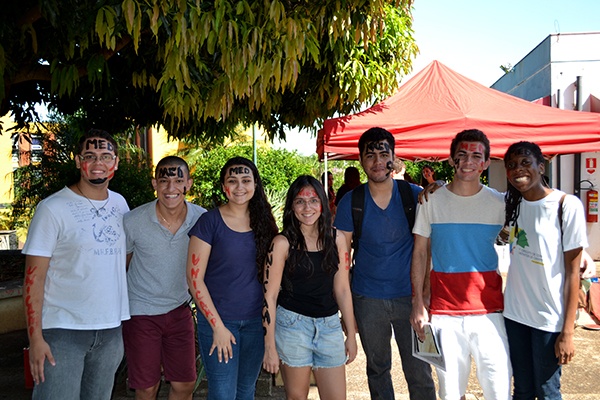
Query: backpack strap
x,y
408,202
560,214
358,205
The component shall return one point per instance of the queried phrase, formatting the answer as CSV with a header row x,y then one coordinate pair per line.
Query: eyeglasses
x,y
312,202
105,158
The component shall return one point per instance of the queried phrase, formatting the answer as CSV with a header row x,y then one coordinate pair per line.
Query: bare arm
x,y
128,260
564,348
343,296
274,265
431,188
588,266
36,270
418,272
198,253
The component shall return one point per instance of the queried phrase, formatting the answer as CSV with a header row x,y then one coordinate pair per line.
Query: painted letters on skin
x,y
29,280
198,295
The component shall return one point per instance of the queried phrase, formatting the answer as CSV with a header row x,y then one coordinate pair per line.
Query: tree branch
x,y
39,72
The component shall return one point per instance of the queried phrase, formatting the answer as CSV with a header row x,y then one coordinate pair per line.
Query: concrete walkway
x,y
580,381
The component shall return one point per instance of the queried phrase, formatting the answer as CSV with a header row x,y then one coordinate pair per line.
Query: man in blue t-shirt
x,y
381,284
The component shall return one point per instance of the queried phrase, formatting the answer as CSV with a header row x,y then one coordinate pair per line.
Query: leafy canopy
x,y
201,67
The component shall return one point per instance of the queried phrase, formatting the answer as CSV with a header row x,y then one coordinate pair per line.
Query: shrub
x,y
277,168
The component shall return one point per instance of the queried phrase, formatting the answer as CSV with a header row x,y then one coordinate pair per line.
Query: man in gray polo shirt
x,y
161,331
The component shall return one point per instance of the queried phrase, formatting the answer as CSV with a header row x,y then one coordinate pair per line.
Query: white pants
x,y
484,338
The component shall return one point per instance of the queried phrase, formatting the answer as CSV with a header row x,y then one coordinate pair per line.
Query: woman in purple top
x,y
227,249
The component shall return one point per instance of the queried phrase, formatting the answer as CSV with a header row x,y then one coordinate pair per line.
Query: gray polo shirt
x,y
156,279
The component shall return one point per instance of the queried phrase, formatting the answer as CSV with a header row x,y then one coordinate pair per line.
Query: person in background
x,y
351,180
547,235
307,280
427,175
330,190
381,286
226,255
75,285
399,171
460,223
159,337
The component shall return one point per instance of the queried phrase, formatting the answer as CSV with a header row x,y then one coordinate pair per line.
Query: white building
x,y
563,71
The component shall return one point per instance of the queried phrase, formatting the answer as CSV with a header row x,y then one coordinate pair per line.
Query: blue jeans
x,y
235,380
375,319
86,362
535,367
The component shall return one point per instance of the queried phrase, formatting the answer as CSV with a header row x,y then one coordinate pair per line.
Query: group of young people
x,y
273,300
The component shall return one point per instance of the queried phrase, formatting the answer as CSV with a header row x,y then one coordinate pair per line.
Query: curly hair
x,y
262,221
513,197
293,233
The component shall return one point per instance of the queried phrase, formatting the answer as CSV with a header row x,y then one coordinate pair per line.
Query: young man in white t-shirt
x,y
75,285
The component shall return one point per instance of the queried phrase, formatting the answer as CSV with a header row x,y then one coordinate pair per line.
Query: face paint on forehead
x,y
170,171
240,169
308,192
98,144
381,145
472,146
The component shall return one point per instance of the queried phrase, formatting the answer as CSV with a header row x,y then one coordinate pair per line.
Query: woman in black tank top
x,y
306,280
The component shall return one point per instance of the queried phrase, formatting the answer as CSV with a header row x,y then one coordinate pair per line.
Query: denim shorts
x,y
309,342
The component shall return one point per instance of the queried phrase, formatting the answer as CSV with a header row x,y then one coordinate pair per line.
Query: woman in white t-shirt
x,y
547,237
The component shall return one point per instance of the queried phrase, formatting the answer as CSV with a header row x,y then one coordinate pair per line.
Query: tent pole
x,y
326,179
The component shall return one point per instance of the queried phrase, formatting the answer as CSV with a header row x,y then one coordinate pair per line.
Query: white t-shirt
x,y
86,285
535,283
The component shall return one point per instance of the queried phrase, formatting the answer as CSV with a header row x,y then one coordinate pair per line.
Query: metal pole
x,y
254,145
577,158
325,179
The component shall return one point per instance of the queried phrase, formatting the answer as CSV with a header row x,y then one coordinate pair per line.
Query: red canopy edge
x,y
437,103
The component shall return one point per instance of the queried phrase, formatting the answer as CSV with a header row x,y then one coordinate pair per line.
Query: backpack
x,y
358,204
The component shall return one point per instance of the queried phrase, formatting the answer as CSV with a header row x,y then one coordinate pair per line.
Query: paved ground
x,y
581,379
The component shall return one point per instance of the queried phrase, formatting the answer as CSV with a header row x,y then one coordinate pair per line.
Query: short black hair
x,y
375,134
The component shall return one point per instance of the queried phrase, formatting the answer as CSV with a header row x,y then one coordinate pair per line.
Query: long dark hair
x,y
513,197
293,233
262,221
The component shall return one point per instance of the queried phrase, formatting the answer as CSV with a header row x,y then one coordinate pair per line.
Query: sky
x,y
476,37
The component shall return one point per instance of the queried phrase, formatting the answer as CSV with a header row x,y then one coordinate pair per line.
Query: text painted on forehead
x,y
168,172
98,144
307,192
239,170
472,146
380,146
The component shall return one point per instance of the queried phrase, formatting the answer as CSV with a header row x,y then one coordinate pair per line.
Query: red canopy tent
x,y
437,103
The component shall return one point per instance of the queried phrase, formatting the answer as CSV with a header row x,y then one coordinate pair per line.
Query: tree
x,y
201,67
56,169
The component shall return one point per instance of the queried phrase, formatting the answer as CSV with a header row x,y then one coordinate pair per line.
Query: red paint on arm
x,y
195,260
30,312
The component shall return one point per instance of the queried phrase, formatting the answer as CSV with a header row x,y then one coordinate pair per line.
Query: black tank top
x,y
308,290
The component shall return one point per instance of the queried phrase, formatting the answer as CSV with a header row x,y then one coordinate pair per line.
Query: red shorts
x,y
155,340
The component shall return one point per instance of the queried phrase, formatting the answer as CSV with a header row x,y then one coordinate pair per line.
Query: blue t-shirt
x,y
382,263
231,275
